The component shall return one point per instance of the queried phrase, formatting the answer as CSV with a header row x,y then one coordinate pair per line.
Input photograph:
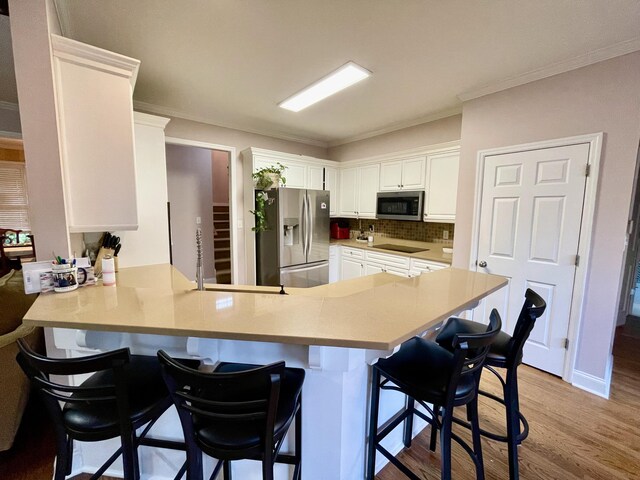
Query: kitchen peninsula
x,y
333,331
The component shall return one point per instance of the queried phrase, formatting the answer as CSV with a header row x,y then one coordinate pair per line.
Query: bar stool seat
x,y
500,347
147,395
406,369
216,434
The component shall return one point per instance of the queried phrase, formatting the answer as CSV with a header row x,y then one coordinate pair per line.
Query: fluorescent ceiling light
x,y
342,78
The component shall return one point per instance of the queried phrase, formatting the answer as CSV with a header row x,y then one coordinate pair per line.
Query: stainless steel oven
x,y
400,205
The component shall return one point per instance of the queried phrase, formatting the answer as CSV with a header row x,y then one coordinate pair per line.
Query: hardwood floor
x,y
574,434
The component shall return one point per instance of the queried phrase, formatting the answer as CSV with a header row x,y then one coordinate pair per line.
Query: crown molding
x,y
93,57
595,56
150,120
400,125
160,110
9,106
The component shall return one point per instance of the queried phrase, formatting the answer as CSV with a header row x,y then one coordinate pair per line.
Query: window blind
x,y
14,202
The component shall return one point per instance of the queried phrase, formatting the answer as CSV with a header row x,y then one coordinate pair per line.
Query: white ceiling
x,y
230,62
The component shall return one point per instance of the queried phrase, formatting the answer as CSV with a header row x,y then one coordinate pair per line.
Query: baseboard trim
x,y
591,383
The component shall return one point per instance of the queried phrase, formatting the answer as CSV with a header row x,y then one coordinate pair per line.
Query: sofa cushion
x,y
14,301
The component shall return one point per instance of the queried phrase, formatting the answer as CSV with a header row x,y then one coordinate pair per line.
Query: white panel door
x,y
529,230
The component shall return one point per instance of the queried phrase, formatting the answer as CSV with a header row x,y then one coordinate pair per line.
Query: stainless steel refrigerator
x,y
294,251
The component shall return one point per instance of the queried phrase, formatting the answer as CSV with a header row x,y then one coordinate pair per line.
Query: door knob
x,y
482,264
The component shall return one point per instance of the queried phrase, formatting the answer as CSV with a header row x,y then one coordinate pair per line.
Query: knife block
x,y
98,265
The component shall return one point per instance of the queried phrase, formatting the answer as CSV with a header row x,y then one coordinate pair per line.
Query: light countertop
x,y
376,312
433,253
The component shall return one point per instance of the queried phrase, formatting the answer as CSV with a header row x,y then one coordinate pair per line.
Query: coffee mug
x,y
65,277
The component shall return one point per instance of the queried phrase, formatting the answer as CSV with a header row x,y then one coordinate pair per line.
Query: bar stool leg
x,y
513,425
408,422
226,470
445,445
128,456
373,424
434,429
472,416
298,443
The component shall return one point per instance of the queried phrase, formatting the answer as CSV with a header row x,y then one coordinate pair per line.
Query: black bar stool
x,y
238,411
506,352
429,373
124,393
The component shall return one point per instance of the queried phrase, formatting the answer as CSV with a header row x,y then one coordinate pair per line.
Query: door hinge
x,y
587,171
577,263
566,344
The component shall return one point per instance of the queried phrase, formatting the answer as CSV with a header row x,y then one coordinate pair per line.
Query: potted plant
x,y
265,178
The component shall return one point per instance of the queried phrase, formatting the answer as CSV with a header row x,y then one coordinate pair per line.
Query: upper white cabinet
x,y
331,184
442,186
95,114
316,177
406,174
358,189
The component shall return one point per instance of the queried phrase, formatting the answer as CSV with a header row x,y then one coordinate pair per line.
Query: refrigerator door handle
x,y
310,222
305,268
305,225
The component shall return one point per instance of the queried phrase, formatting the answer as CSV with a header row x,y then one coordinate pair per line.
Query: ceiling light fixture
x,y
342,78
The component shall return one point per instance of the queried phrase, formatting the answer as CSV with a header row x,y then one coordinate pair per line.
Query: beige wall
x,y
604,97
190,194
431,133
220,176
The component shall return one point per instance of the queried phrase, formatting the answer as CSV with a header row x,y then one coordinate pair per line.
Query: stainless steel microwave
x,y
400,205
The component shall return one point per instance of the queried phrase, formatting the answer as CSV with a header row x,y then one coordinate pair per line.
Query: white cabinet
x,y
358,189
149,245
368,178
295,174
406,174
377,262
418,267
331,184
442,187
316,177
334,263
351,263
95,115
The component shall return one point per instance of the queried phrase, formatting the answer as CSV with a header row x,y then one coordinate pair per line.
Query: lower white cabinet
x,y
352,262
334,263
417,267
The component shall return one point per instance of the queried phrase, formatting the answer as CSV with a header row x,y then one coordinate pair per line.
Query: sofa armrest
x,y
13,336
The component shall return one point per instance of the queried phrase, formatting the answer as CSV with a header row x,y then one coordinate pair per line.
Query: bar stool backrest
x,y
245,396
470,351
38,369
532,308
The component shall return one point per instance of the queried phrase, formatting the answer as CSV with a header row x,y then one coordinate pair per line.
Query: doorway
x,y
199,179
532,224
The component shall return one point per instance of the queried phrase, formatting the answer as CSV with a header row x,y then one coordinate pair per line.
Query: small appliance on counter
x,y
340,230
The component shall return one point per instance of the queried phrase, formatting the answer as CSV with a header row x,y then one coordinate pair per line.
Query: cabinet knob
x,y
399,186
482,264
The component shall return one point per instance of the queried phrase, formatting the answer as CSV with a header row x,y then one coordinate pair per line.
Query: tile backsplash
x,y
406,230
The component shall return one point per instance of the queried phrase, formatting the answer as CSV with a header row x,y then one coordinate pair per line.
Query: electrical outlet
x,y
445,234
